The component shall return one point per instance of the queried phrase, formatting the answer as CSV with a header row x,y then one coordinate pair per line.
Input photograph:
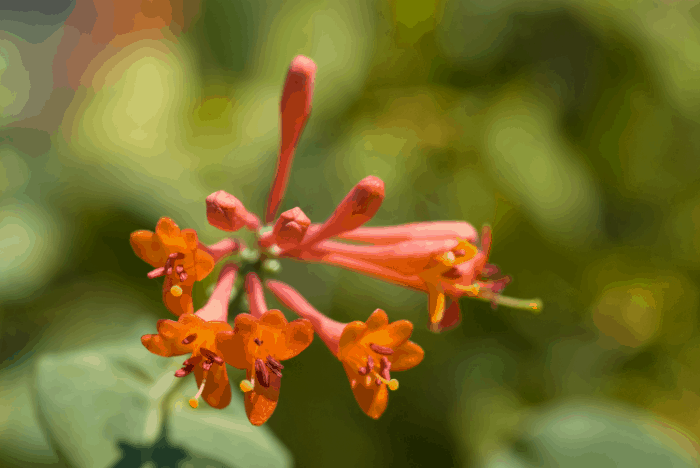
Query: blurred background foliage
x,y
570,126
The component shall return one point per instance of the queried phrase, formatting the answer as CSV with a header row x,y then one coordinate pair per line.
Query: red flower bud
x,y
227,213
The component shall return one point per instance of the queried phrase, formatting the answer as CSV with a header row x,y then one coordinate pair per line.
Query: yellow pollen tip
x,y
194,403
246,386
176,291
393,384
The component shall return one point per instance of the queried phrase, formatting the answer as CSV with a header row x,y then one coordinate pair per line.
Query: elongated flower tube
x,y
383,235
256,295
258,345
369,351
295,108
226,212
358,207
177,255
195,334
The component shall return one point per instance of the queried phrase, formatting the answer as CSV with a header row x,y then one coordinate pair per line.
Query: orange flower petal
x,y
217,391
352,332
406,356
394,335
148,248
157,345
274,319
190,237
245,324
182,304
377,320
260,406
203,264
169,329
232,348
372,400
298,336
169,234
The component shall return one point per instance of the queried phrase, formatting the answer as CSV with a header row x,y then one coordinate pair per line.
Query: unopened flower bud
x,y
227,213
290,228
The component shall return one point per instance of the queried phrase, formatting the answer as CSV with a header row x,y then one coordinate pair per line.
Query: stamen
x,y
272,362
460,252
452,273
258,341
176,256
183,277
381,349
534,305
353,383
471,289
176,291
206,365
246,386
362,371
262,373
370,362
169,270
189,338
211,355
194,403
179,269
158,272
185,370
393,384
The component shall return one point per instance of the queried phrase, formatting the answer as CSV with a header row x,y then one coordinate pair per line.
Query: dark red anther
x,y
183,277
261,373
189,338
258,341
378,381
370,362
194,360
185,370
179,269
452,273
385,366
176,256
169,271
381,349
274,363
211,356
206,365
459,252
156,273
362,371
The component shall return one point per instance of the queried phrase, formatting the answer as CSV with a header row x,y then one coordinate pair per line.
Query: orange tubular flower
x,y
258,345
196,334
177,255
369,350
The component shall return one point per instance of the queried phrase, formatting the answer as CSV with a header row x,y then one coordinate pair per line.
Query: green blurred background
x,y
571,126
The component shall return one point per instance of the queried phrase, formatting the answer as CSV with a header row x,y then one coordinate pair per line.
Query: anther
x,y
381,349
460,252
272,362
261,372
158,272
211,356
370,362
194,403
184,371
179,269
176,291
183,277
246,386
258,341
189,338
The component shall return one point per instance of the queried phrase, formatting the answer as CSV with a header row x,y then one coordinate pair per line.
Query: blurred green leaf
x,y
111,406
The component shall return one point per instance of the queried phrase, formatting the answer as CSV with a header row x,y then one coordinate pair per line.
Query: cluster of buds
x,y
444,259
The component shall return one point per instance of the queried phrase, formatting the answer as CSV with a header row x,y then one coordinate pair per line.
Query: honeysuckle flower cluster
x,y
447,260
